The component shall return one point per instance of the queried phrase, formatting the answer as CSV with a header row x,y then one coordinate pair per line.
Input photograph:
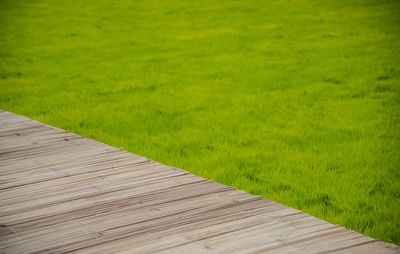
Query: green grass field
x,y
297,101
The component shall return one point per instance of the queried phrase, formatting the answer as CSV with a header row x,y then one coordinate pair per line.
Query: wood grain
x,y
61,193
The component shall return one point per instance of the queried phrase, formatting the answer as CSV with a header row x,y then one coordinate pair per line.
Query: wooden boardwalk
x,y
61,192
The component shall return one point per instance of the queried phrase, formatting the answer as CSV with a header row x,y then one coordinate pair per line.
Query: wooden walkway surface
x,y
61,192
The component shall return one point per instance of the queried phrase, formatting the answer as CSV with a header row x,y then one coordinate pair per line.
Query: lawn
x,y
297,101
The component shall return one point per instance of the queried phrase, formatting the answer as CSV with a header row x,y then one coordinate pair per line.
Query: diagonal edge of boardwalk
x,y
61,192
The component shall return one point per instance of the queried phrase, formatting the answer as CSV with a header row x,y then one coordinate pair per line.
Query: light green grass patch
x,y
297,101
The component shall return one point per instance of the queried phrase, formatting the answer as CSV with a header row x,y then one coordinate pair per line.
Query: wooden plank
x,y
62,193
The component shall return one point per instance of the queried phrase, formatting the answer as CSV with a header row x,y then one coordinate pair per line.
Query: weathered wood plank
x,y
62,193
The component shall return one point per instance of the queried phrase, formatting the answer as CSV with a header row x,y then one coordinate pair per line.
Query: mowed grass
x,y
297,101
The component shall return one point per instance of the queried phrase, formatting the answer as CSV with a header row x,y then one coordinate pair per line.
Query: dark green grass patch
x,y
297,101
